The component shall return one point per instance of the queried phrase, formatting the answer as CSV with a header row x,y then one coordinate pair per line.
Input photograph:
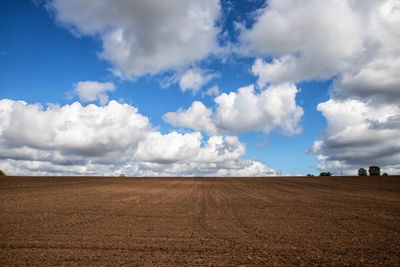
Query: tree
x,y
122,175
2,173
309,175
374,171
362,172
325,174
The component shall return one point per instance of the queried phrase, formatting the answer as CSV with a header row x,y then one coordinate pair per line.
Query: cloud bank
x,y
108,140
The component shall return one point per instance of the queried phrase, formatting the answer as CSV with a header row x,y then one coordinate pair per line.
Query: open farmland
x,y
200,221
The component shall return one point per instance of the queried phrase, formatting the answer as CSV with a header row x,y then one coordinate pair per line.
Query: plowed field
x,y
47,221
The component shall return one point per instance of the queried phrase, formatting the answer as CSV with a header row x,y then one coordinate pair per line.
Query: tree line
x,y
372,171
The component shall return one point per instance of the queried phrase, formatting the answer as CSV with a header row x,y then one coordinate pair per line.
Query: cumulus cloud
x,y
219,156
378,79
244,110
93,91
307,39
169,148
108,140
71,130
197,117
194,79
375,74
359,134
141,37
356,42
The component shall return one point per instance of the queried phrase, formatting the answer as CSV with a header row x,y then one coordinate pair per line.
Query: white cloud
x,y
359,134
247,110
220,149
168,148
308,39
376,72
95,140
212,91
141,37
379,79
197,117
194,79
92,91
70,130
244,110
356,42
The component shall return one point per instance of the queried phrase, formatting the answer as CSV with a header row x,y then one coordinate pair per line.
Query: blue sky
x,y
157,87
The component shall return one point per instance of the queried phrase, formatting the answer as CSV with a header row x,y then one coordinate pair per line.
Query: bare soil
x,y
47,221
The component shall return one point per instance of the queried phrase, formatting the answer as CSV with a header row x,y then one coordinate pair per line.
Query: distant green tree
x,y
325,174
385,174
2,173
362,172
309,174
122,175
374,171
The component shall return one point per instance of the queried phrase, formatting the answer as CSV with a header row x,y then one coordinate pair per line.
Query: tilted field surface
x,y
199,221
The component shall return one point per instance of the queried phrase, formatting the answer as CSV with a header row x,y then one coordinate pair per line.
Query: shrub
x,y
122,175
2,173
385,174
325,174
374,171
309,174
362,172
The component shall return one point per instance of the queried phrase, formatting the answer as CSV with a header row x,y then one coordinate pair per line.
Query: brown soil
x,y
200,221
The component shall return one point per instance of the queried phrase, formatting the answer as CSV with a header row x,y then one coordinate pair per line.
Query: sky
x,y
199,88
